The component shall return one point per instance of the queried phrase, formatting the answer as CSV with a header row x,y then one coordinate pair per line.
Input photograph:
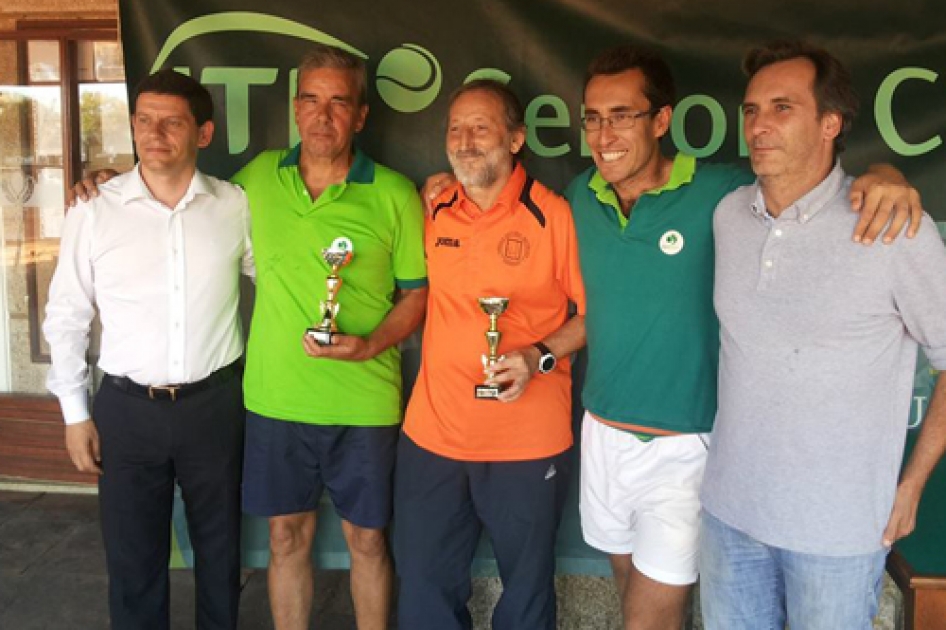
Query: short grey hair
x,y
325,56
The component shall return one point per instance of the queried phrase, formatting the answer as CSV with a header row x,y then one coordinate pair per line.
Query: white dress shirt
x,y
165,282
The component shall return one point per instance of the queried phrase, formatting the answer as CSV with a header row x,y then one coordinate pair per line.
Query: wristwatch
x,y
546,358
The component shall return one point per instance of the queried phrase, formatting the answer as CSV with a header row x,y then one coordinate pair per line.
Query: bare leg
x,y
645,603
290,570
371,575
621,568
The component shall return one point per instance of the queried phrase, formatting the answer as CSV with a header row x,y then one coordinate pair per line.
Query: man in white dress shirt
x,y
159,252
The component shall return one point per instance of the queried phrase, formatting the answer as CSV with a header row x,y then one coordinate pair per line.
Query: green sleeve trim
x,y
419,283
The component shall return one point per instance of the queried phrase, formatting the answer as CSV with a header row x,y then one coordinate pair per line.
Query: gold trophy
x,y
494,307
337,255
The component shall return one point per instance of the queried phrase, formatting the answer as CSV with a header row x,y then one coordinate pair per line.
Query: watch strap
x,y
544,352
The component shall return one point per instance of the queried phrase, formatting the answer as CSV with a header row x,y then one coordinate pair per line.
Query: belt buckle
x,y
170,389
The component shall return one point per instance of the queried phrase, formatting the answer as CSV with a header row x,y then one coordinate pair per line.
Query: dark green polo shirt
x,y
653,337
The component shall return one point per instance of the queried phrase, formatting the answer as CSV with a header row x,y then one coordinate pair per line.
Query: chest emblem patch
x,y
671,243
514,248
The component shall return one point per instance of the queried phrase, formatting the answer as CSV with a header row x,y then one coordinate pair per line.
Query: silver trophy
x,y
337,255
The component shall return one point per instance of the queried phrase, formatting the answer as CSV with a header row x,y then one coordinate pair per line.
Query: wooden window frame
x,y
31,426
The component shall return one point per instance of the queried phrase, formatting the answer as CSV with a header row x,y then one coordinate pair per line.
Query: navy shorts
x,y
288,464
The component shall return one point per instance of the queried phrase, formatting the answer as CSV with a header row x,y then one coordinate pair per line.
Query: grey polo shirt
x,y
818,347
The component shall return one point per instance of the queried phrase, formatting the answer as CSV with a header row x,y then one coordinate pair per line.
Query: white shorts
x,y
642,498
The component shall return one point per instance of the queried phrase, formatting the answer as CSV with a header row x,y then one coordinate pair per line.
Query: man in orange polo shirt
x,y
466,462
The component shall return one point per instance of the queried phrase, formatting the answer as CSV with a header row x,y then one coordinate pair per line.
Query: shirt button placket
x,y
770,253
176,310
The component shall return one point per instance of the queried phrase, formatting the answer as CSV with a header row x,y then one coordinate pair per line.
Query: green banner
x,y
245,52
418,52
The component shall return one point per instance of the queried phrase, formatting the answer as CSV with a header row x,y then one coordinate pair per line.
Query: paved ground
x,y
52,573
52,577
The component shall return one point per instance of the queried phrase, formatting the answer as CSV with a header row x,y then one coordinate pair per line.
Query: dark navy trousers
x,y
442,505
147,445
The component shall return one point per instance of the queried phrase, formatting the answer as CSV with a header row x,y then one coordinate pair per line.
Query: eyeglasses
x,y
620,120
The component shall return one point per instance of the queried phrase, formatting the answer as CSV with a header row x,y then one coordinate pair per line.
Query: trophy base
x,y
486,392
322,337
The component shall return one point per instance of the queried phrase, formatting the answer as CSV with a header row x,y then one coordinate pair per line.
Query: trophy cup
x,y
494,307
337,255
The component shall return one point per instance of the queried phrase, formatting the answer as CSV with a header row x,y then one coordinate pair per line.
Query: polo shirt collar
x,y
360,172
134,187
508,196
682,172
806,207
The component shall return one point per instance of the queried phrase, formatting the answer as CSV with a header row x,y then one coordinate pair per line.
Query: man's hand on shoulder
x,y
82,442
88,187
434,186
342,348
885,201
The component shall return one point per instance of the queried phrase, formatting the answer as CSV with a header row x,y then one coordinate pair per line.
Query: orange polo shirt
x,y
523,248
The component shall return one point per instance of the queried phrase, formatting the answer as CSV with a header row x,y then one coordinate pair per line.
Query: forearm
x,y
887,172
931,444
569,338
401,321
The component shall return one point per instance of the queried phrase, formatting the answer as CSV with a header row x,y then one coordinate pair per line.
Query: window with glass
x,y
63,113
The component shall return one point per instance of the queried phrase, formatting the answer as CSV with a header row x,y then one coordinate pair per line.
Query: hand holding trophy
x,y
337,255
494,307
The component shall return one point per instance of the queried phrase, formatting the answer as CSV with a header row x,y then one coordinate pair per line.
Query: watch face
x,y
546,363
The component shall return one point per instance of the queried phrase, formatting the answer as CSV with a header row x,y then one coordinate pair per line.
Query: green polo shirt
x,y
380,211
653,337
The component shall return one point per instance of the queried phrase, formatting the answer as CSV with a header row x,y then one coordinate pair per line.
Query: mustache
x,y
469,153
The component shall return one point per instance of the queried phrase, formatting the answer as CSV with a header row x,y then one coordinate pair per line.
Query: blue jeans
x,y
747,585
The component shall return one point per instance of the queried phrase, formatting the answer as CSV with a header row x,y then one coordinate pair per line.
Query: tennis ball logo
x,y
408,78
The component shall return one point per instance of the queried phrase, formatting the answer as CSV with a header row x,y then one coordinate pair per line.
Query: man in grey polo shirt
x,y
818,347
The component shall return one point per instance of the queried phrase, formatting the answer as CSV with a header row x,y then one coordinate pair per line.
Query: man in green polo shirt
x,y
326,416
644,225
